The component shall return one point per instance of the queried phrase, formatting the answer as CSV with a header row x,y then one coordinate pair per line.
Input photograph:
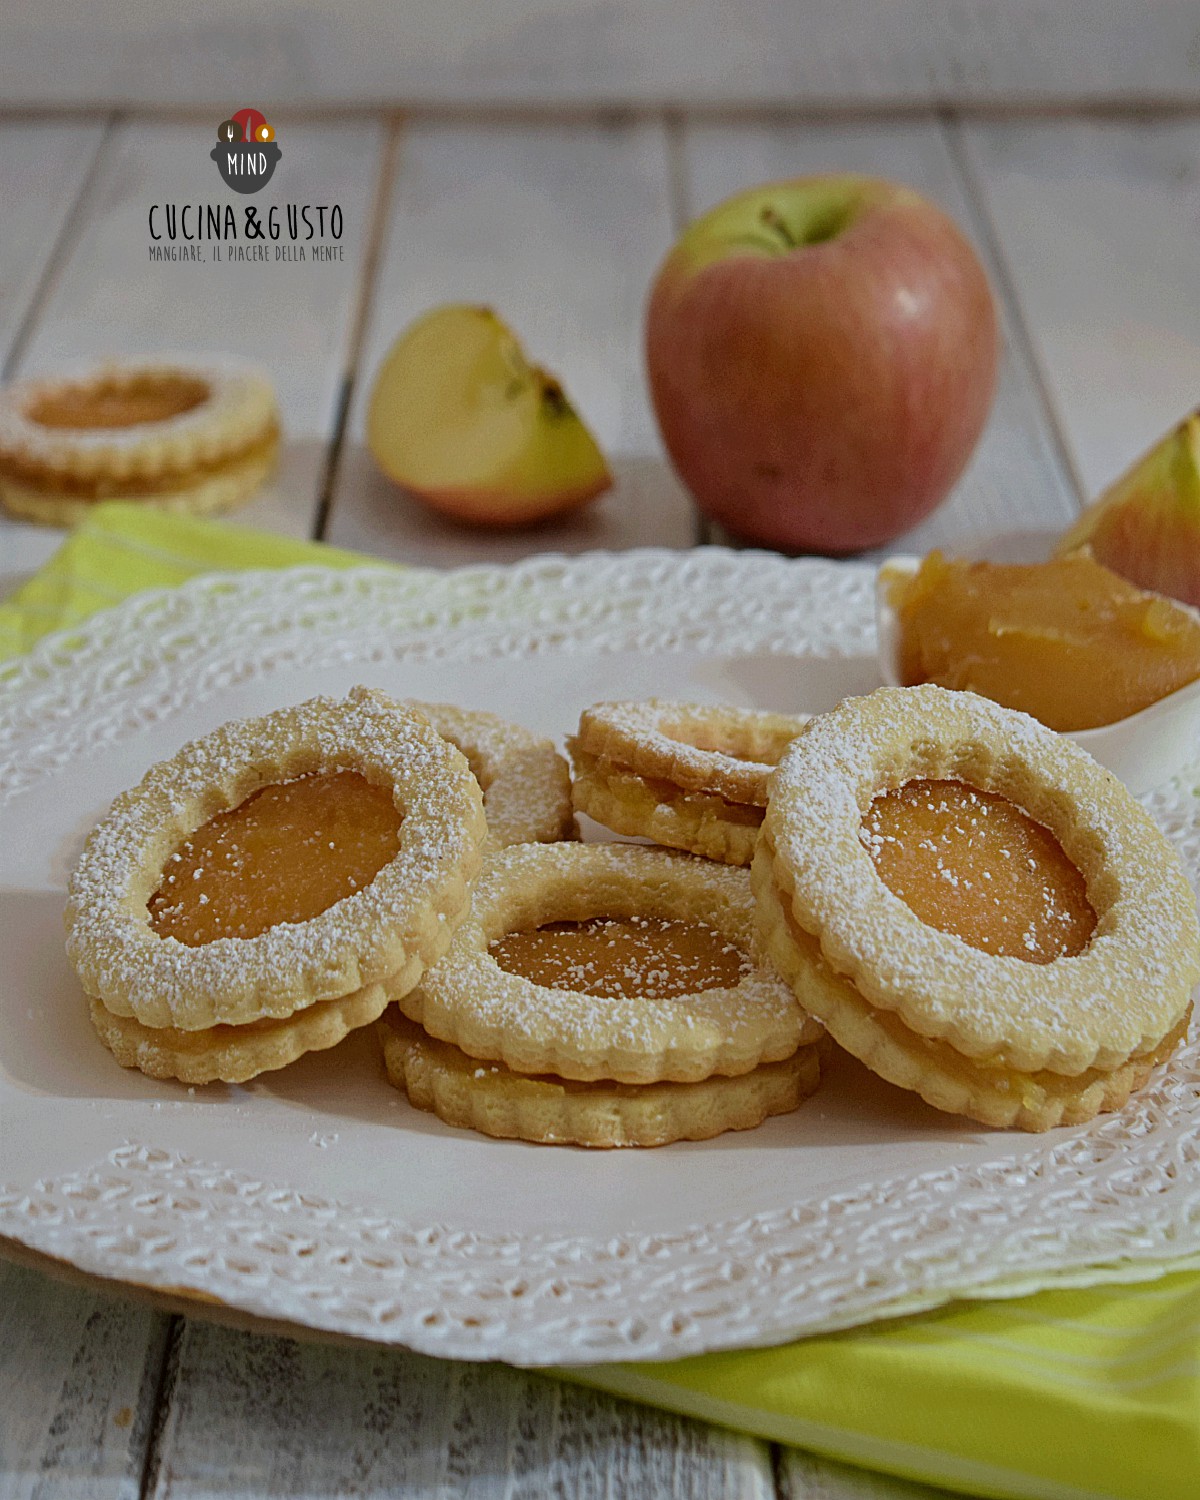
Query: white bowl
x,y
1143,750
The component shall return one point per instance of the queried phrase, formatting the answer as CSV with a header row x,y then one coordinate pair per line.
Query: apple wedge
x,y
1146,526
469,427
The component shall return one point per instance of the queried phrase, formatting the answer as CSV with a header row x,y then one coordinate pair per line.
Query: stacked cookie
x,y
272,886
975,908
160,432
688,775
603,995
526,784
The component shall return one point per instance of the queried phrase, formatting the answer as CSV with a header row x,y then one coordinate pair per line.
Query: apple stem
x,y
775,220
819,227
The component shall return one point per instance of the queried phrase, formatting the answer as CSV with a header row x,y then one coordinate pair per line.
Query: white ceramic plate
x,y
317,1196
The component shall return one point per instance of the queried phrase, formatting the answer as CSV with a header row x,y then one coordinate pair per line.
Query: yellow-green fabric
x,y
1066,1395
124,548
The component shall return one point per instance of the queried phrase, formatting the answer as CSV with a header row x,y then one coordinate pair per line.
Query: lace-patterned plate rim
x,y
596,600
1117,1199
300,1259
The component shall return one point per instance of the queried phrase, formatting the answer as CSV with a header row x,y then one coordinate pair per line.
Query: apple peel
x,y
1146,526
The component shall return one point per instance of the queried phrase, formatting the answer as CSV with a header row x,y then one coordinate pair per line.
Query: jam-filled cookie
x,y
975,908
160,432
610,961
688,775
273,884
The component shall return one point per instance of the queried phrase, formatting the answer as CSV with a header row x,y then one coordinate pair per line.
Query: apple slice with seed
x,y
468,426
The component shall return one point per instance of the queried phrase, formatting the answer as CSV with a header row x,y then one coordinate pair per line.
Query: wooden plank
x,y
1017,479
109,298
23,550
43,167
825,53
79,1373
559,226
268,1416
805,1476
1100,222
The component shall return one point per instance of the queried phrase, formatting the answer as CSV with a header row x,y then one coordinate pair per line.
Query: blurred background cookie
x,y
186,437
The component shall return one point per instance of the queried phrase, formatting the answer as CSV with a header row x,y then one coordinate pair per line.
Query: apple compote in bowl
x,y
1114,667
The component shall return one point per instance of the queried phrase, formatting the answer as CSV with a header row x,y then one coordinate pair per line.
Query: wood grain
x,y
79,1377
44,166
833,54
1017,479
559,227
1100,223
268,1416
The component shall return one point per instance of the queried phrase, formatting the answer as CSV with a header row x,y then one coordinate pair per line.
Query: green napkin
x,y
1059,1396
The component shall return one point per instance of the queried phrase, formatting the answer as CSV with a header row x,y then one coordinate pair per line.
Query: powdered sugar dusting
x,y
470,1000
972,863
285,854
525,781
1122,993
361,939
654,958
699,747
239,409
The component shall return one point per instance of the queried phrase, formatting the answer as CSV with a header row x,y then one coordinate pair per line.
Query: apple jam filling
x,y
974,864
1067,641
284,855
124,402
655,958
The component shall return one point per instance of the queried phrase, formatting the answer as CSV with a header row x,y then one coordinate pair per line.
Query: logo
x,y
246,152
219,232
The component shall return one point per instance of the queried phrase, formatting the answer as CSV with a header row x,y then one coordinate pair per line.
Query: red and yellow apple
x,y
1146,526
822,358
468,426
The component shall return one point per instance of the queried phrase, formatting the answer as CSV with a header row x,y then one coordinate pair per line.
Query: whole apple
x,y
822,358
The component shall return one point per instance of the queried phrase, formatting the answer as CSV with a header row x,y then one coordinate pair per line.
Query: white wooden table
x,y
1091,228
